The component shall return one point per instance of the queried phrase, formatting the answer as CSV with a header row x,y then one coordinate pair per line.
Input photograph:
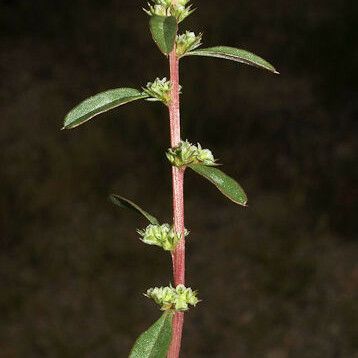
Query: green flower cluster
x,y
187,42
161,235
159,90
180,10
186,153
173,298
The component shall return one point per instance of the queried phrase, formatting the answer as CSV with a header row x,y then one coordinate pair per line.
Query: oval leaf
x,y
127,204
100,103
154,343
227,185
234,54
163,29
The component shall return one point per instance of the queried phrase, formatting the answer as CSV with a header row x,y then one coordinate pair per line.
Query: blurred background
x,y
278,279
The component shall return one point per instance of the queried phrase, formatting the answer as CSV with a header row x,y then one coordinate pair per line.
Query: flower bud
x,y
186,153
171,298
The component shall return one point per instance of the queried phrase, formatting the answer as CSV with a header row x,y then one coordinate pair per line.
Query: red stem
x,y
178,256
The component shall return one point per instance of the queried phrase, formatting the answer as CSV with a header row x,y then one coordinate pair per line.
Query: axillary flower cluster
x,y
173,298
186,153
163,236
158,91
187,42
180,10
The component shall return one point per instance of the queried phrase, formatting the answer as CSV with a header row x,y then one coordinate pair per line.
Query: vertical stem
x,y
178,256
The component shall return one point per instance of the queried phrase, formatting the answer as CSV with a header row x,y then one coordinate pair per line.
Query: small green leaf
x,y
127,204
163,29
234,54
227,185
101,102
154,343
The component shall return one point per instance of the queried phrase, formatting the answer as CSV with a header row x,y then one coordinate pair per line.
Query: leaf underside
x,y
227,185
234,54
101,102
127,204
154,343
163,30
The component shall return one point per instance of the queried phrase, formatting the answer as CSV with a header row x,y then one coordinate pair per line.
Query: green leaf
x,y
154,343
234,54
127,204
100,103
227,185
163,29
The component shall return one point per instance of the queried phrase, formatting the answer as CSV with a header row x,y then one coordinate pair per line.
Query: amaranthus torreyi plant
x,y
163,338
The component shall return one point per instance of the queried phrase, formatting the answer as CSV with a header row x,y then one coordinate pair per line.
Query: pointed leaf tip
x,y
227,185
154,343
128,204
163,30
234,54
100,103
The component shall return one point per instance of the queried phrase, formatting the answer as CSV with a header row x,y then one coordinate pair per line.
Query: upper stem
x,y
177,173
178,256
174,106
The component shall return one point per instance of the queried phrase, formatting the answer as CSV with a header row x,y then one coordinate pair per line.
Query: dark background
x,y
277,279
